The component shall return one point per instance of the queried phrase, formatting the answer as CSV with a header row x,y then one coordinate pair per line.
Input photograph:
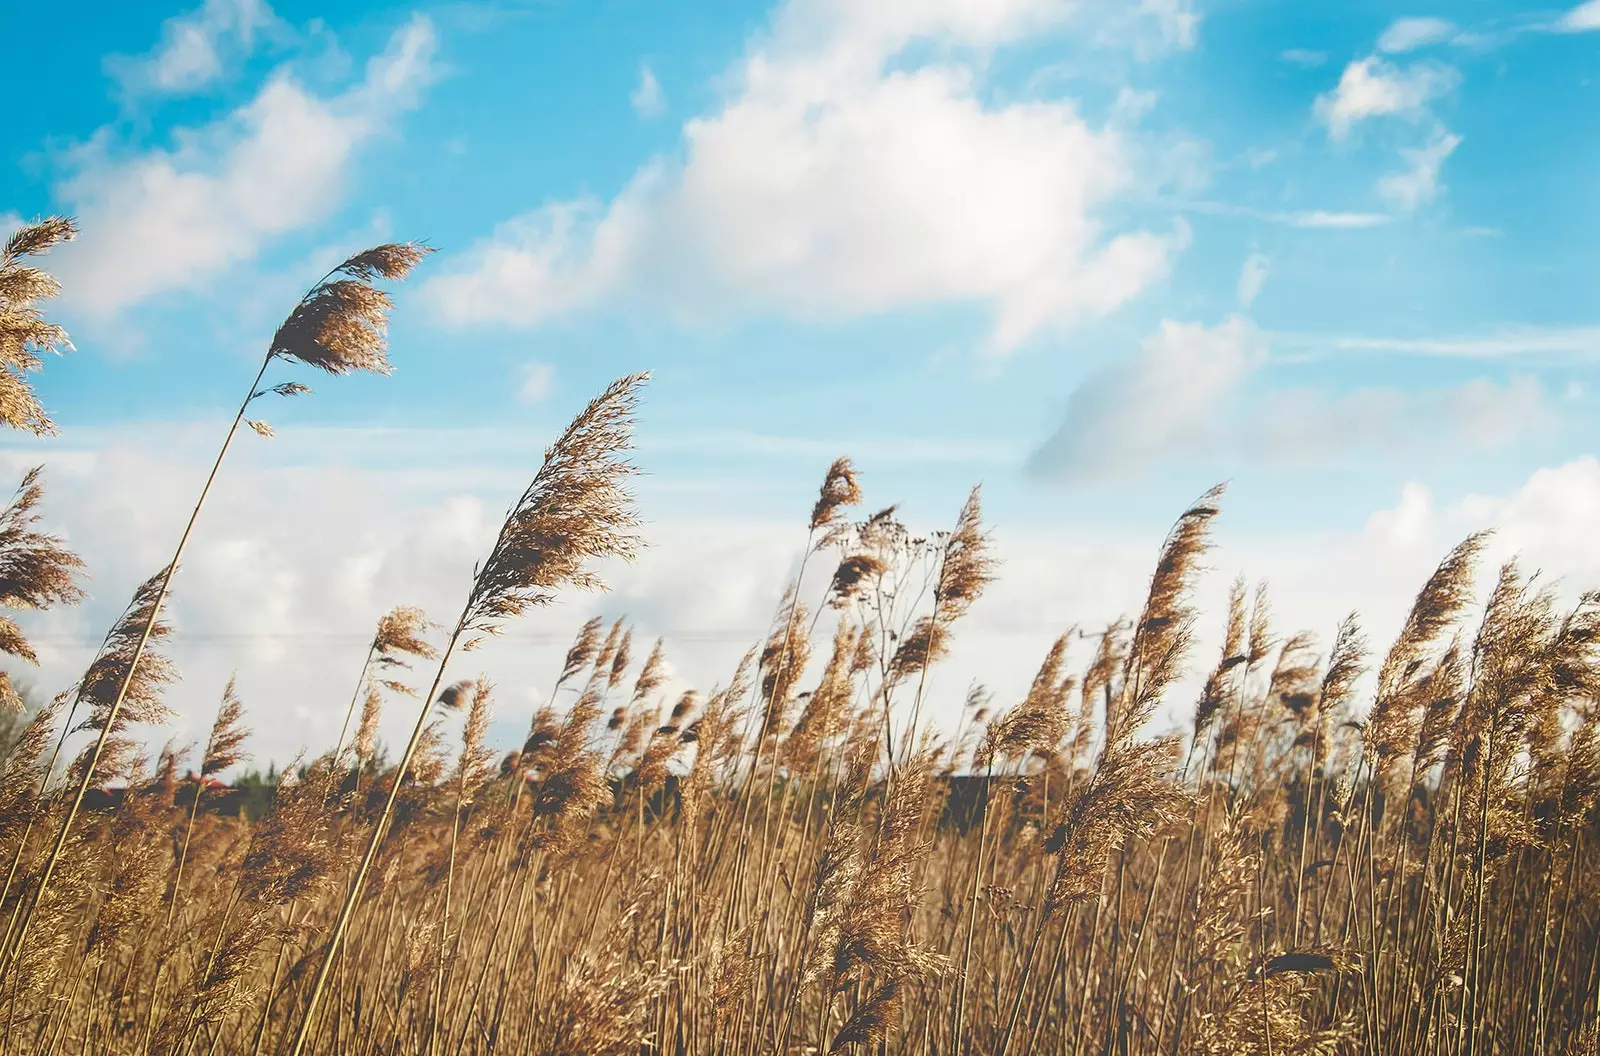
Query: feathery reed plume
x,y
783,661
225,745
603,1004
1393,723
338,327
873,1022
398,636
577,510
967,565
23,775
366,742
1345,664
224,748
583,650
123,684
37,571
24,333
1213,693
1161,636
839,490
620,661
651,675
823,716
1041,720
608,650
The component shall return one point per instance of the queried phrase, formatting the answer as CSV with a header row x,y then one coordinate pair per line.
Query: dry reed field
x,y
1350,847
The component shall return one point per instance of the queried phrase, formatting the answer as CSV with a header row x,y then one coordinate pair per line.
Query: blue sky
x,y
1096,255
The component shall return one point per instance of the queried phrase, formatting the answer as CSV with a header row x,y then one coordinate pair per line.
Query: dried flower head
x,y
225,746
583,650
839,489
100,683
399,635
651,675
37,571
340,325
24,333
576,511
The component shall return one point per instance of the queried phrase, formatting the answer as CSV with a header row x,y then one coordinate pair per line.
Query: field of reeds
x,y
1350,847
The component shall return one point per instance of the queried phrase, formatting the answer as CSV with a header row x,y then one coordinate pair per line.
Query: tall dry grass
x,y
799,860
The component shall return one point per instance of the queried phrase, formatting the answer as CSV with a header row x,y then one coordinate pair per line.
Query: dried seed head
x,y
620,660
967,566
1161,637
142,702
583,650
399,635
839,489
452,697
24,333
651,675
225,746
366,743
340,325
37,571
576,511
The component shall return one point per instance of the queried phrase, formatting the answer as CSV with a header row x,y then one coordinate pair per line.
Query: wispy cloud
x,y
648,100
1310,219
1418,183
1578,342
195,48
1373,87
1409,34
171,219
1253,276
1195,391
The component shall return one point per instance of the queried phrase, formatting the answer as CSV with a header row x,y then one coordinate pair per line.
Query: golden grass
x,y
797,861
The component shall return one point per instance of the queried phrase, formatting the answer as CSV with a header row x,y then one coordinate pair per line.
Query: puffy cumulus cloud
x,y
1373,87
195,48
1409,34
1582,19
1193,391
172,219
1418,183
842,180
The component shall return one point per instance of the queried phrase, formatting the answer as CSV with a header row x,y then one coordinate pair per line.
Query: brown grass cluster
x,y
800,860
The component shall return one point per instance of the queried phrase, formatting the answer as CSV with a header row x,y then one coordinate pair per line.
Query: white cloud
x,y
1176,19
1253,276
1323,219
1186,394
1419,182
647,98
1409,34
1304,58
173,219
195,47
536,379
1580,343
836,183
1310,219
1164,399
1581,19
1372,87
